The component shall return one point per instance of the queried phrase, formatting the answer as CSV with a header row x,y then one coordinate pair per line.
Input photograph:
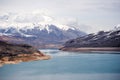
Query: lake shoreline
x,y
11,53
23,58
90,49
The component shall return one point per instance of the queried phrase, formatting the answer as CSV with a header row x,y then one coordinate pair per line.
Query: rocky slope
x,y
101,39
15,53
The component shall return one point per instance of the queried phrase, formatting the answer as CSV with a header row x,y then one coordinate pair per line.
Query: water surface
x,y
66,66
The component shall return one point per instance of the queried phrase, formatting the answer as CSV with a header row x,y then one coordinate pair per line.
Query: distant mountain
x,y
40,35
101,39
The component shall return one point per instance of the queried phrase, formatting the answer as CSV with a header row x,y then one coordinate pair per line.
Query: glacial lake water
x,y
66,66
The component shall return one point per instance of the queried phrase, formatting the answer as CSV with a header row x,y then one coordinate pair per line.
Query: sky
x,y
89,15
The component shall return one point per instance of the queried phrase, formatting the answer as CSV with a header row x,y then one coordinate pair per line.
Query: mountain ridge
x,y
101,39
41,34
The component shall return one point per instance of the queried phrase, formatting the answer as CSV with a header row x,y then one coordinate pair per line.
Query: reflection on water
x,y
66,66
67,77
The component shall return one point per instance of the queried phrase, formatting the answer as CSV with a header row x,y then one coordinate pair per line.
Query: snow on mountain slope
x,y
101,39
33,29
11,31
117,27
32,25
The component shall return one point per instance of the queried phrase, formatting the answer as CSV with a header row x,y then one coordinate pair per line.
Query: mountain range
x,y
101,39
40,35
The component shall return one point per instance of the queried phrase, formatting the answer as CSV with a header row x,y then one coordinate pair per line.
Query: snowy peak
x,y
35,30
41,26
12,31
117,27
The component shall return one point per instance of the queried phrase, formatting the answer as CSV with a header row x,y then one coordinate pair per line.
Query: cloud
x,y
111,7
28,18
31,17
61,5
100,14
4,17
36,16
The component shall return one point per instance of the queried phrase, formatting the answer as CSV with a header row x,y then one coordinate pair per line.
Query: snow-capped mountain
x,y
101,39
19,28
42,30
41,34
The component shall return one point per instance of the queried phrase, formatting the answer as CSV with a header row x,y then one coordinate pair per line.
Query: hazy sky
x,y
89,15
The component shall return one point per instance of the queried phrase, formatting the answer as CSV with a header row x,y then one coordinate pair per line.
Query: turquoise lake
x,y
66,66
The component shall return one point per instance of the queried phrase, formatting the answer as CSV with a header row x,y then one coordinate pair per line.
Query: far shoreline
x,y
90,49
